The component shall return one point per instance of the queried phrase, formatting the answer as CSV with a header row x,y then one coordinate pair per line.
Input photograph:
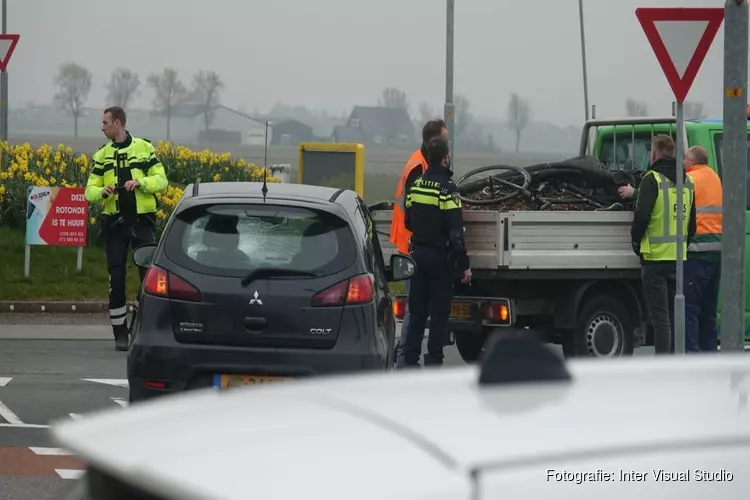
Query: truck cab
x,y
626,144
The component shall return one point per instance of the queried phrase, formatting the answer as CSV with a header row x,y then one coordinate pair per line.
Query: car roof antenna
x,y
264,190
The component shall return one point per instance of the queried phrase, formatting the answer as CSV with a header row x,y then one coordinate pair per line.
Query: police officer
x,y
433,215
125,178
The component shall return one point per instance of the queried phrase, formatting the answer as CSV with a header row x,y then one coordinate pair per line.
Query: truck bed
x,y
538,240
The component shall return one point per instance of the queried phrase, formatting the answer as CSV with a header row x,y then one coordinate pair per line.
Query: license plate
x,y
461,310
223,382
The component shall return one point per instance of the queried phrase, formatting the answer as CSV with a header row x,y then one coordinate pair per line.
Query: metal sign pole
x,y
734,176
679,298
449,112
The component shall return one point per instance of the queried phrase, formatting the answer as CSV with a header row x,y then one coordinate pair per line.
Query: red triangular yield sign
x,y
7,46
672,48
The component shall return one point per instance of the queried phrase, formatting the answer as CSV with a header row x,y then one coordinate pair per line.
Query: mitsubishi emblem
x,y
255,300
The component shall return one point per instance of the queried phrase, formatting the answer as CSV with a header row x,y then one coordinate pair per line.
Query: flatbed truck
x,y
570,277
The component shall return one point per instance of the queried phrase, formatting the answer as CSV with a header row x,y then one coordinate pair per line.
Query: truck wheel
x,y
604,329
470,344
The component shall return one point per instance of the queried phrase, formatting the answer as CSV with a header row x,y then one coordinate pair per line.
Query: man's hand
x,y
626,192
108,190
131,185
467,277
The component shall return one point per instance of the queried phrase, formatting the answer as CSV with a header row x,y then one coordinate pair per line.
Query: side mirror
x,y
402,267
143,256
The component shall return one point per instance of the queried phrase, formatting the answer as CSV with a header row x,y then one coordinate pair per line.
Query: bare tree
x,y
693,110
462,115
169,92
426,112
73,83
207,87
391,97
519,116
635,108
122,87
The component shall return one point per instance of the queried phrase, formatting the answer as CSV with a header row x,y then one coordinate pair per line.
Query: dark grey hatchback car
x,y
243,289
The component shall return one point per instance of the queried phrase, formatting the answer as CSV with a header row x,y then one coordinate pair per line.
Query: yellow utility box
x,y
332,164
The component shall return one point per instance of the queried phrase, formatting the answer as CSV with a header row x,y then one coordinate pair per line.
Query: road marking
x,y
5,381
49,451
25,426
8,415
70,473
26,461
120,402
117,382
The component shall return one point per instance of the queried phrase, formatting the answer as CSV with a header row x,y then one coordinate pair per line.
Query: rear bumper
x,y
170,367
476,321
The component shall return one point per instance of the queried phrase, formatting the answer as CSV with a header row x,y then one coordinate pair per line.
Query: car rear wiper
x,y
270,272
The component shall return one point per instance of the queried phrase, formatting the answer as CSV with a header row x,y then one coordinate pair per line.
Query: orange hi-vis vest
x,y
708,208
399,234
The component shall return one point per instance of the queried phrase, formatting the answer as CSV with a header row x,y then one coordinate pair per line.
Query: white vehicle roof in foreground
x,y
350,437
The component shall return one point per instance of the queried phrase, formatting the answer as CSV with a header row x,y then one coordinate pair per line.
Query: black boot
x,y
121,337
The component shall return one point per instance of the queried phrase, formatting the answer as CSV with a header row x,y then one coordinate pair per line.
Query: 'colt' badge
x,y
255,300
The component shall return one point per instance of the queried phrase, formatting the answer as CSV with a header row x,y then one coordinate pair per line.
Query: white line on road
x,y
24,426
49,451
5,381
70,473
8,415
117,382
120,402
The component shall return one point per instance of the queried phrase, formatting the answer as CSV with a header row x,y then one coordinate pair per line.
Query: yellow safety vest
x,y
660,241
140,158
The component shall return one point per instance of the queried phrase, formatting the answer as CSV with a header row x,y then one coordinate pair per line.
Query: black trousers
x,y
659,289
119,236
430,294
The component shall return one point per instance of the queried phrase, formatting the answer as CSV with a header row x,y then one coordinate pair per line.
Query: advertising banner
x,y
57,216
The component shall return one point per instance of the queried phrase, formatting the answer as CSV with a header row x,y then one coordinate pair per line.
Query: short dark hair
x,y
437,149
663,145
117,114
431,129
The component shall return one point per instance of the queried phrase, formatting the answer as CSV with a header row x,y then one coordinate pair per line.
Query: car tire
x,y
604,329
470,345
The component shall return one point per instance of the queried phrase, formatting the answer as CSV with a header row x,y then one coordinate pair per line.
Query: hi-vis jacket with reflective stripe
x,y
414,168
660,241
136,158
708,210
433,214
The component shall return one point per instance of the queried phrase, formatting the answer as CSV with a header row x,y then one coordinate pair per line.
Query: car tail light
x,y
498,312
162,283
399,308
356,290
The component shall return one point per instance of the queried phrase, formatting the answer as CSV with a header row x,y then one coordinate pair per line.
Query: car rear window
x,y
231,240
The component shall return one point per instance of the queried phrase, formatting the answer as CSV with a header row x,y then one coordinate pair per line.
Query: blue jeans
x,y
702,277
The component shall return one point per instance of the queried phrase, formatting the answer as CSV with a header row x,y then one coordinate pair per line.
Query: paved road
x,y
42,381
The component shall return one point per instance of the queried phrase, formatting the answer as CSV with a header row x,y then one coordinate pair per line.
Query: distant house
x,y
227,125
290,133
348,134
381,126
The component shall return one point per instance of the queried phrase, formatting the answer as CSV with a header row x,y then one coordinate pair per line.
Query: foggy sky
x,y
338,53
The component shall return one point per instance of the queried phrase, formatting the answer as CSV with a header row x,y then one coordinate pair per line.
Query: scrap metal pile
x,y
580,184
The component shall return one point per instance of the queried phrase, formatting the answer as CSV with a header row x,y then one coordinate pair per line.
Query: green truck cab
x,y
626,144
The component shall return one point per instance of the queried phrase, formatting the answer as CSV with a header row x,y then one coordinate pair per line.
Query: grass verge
x,y
53,272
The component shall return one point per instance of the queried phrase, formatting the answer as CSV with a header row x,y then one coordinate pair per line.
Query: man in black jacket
x,y
433,215
653,236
